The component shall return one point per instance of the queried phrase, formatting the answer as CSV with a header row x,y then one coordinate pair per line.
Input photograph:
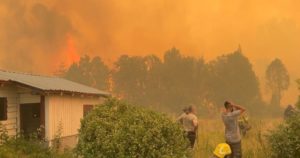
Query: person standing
x,y
289,112
185,112
232,132
189,122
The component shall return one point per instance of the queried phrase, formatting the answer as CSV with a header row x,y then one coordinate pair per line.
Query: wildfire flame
x,y
70,52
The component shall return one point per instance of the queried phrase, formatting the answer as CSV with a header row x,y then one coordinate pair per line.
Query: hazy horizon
x,y
39,35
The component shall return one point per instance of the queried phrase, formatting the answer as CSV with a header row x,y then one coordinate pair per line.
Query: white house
x,y
28,102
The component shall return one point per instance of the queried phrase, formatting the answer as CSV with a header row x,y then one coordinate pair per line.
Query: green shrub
x,y
285,140
3,134
27,147
17,147
117,129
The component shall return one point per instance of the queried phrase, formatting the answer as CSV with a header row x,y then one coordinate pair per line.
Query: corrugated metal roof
x,y
47,83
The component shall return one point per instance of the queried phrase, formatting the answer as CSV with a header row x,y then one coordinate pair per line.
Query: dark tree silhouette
x,y
153,82
175,81
277,80
89,72
129,78
298,103
183,79
165,85
232,78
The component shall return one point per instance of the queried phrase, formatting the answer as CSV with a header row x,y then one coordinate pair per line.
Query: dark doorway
x,y
30,118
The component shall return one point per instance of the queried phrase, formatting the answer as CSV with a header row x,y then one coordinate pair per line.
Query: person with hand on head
x,y
232,132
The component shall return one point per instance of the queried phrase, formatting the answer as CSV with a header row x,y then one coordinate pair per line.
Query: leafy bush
x,y
3,134
29,147
117,129
285,140
298,103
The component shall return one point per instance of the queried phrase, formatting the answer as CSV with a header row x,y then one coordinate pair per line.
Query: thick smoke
x,y
38,35
34,30
30,35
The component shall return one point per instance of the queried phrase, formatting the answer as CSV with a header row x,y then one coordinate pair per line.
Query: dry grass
x,y
211,133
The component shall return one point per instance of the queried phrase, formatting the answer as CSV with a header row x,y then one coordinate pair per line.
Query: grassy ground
x,y
211,132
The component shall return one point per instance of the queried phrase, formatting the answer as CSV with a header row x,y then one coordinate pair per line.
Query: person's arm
x,y
195,123
179,119
238,107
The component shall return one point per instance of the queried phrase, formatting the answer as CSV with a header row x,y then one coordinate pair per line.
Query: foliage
x,y
179,80
29,147
56,142
233,78
151,81
169,83
92,72
183,79
278,80
129,77
285,140
117,129
298,103
3,134
254,144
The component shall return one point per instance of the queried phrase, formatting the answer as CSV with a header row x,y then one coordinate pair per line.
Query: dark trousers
x,y
192,137
236,150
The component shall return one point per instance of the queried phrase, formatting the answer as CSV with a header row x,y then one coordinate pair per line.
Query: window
x,y
87,109
3,109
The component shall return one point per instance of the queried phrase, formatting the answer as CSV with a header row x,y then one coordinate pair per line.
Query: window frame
x,y
87,108
3,106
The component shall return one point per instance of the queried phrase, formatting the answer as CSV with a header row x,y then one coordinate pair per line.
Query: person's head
x,y
185,110
228,106
192,109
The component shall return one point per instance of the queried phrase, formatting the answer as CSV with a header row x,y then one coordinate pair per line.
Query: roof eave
x,y
76,93
42,91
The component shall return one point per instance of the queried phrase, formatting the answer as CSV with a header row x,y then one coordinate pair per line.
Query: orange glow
x,y
51,32
70,54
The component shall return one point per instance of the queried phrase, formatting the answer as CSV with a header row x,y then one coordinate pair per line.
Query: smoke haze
x,y
37,36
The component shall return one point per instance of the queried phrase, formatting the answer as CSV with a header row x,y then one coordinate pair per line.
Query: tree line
x,y
298,103
176,80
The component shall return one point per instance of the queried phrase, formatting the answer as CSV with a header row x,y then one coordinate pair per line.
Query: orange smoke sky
x,y
47,33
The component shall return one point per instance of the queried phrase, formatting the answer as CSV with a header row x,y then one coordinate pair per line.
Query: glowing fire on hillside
x,y
69,53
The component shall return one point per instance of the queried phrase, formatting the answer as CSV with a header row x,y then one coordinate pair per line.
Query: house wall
x,y
11,123
61,112
64,113
15,96
26,98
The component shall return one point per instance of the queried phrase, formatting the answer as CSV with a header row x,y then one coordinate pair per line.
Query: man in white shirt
x,y
189,122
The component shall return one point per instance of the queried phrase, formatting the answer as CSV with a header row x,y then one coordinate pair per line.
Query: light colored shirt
x,y
179,119
232,130
188,121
